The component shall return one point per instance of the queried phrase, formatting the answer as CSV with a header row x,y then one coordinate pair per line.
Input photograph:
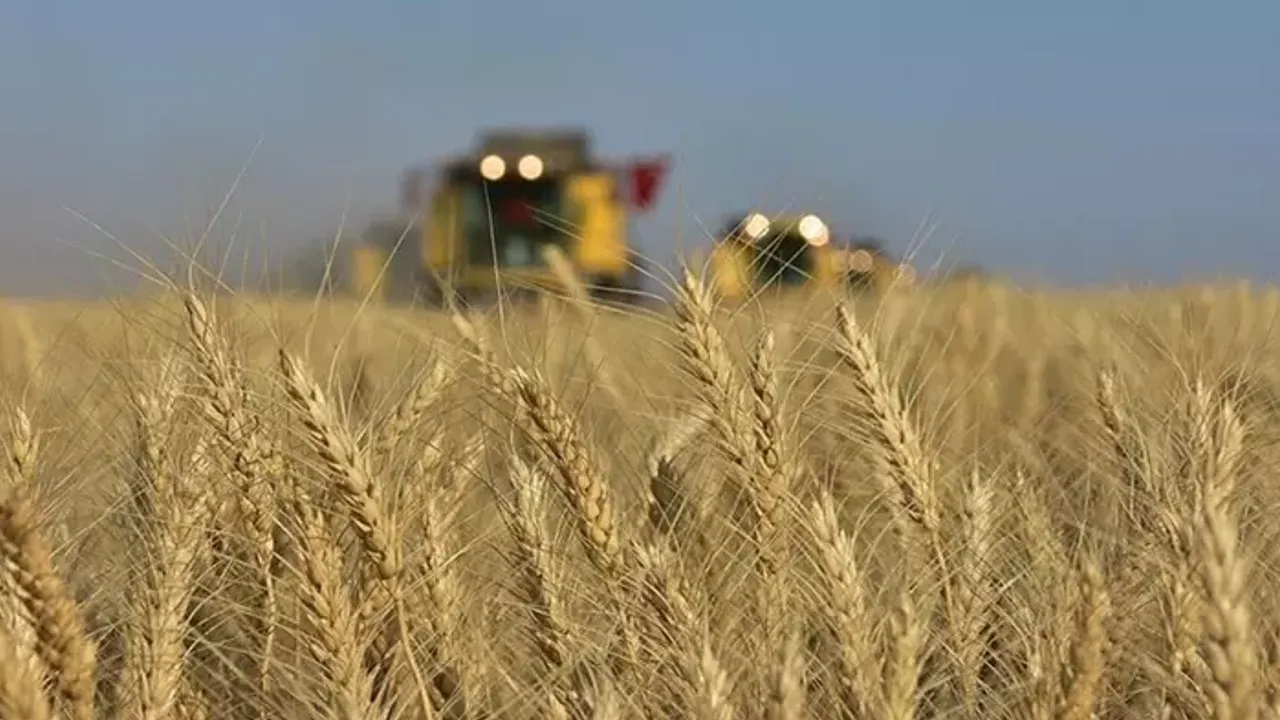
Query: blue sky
x,y
1082,141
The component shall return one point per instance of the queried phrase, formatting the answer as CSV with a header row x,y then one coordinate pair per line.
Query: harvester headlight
x,y
493,167
813,230
860,261
530,167
756,226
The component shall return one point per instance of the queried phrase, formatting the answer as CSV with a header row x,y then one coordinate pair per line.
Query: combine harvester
x,y
491,214
757,255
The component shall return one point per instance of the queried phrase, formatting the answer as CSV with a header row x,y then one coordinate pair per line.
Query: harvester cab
x,y
492,214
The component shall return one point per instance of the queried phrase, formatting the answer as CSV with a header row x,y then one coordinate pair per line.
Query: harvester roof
x,y
563,149
557,151
551,155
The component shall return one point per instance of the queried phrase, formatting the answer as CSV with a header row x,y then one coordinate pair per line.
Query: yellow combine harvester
x,y
490,215
757,254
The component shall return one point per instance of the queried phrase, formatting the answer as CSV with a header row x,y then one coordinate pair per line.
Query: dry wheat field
x,y
970,501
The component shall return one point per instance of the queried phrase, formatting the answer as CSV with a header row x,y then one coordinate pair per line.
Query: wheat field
x,y
971,501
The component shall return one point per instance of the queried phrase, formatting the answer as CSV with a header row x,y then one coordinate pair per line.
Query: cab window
x,y
783,258
508,221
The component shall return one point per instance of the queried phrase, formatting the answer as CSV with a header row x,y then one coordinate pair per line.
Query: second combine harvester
x,y
790,252
488,215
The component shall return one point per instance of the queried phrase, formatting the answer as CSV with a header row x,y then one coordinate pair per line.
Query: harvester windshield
x,y
507,221
783,257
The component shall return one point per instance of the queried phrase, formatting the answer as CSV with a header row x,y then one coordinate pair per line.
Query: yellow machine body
x,y
489,216
367,277
592,232
469,242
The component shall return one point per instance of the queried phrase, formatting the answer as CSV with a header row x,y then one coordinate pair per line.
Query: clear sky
x,y
1079,141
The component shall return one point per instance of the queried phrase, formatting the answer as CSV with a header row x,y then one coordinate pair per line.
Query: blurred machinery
x,y
869,266
756,253
481,221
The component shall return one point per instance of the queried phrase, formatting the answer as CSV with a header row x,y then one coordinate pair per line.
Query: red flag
x,y
646,178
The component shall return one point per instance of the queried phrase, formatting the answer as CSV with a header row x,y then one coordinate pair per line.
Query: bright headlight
x,y
493,167
813,230
756,226
530,167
